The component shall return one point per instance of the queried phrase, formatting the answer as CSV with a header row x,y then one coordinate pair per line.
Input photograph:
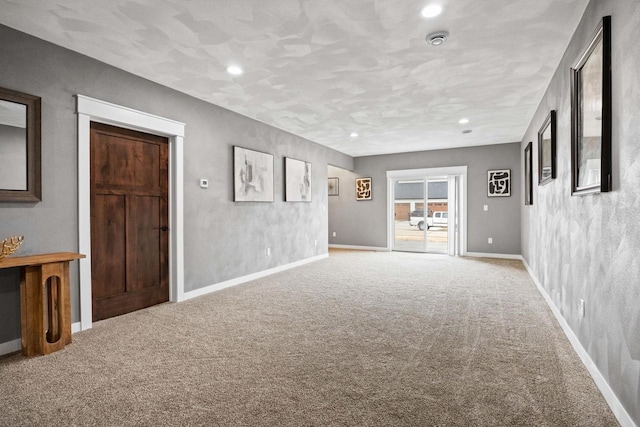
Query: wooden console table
x,y
45,307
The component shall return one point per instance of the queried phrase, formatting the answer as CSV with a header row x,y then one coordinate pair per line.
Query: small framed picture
x,y
334,186
499,183
363,188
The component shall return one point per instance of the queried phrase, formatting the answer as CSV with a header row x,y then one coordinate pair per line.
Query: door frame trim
x,y
423,174
91,109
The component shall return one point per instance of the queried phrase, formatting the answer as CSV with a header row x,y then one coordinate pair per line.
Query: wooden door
x,y
129,219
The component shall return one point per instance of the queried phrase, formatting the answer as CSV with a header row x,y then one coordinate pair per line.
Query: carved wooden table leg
x,y
45,308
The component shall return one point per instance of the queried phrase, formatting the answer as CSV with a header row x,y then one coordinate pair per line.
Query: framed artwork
x,y
363,188
528,175
591,115
252,175
547,150
334,186
297,180
499,183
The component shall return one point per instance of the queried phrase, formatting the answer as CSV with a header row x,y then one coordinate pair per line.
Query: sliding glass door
x,y
426,212
409,220
437,220
421,215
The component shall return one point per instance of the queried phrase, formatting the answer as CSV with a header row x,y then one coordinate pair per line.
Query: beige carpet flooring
x,y
358,339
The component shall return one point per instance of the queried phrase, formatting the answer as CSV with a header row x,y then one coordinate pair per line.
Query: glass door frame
x,y
457,182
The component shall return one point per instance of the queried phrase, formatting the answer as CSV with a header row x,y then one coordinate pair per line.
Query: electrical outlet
x,y
486,207
490,240
334,234
581,307
204,183
268,251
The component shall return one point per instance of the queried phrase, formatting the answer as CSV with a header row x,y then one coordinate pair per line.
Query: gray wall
x,y
587,246
364,223
223,239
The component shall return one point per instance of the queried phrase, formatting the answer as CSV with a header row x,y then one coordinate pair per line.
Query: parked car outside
x,y
435,219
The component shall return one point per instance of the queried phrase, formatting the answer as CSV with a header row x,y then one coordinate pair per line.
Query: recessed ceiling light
x,y
438,38
463,121
234,69
354,135
431,10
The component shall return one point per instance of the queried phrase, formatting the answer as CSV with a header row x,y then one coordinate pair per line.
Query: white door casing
x,y
94,110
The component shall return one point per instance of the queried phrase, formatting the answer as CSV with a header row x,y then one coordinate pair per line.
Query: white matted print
x,y
297,175
252,175
499,183
363,188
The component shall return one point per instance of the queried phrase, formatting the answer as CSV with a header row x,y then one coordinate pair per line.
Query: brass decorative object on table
x,y
10,245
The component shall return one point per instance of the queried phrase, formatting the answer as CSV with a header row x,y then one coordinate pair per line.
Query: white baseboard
x,y
609,395
360,248
491,255
16,345
239,280
10,346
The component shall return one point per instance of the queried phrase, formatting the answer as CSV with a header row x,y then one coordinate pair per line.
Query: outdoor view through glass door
x,y
420,226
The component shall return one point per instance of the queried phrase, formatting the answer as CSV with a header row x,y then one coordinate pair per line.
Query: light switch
x,y
204,183
486,207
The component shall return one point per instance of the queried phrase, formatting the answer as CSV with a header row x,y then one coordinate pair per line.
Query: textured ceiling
x,y
322,69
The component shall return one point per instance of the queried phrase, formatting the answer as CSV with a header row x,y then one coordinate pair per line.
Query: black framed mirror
x,y
591,119
528,176
547,150
20,179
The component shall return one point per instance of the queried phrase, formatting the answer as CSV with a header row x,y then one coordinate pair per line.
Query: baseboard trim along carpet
x,y
243,279
76,327
492,255
10,346
360,248
614,403
16,345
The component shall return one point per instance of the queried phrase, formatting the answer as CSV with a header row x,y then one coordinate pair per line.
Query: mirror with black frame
x,y
20,179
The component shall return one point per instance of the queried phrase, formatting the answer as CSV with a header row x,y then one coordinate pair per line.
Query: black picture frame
x,y
499,183
547,150
591,119
528,175
333,186
364,187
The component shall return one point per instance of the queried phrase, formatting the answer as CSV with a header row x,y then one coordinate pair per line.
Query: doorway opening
x,y
421,215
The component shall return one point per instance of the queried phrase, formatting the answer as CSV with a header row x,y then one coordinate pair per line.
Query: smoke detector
x,y
438,38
